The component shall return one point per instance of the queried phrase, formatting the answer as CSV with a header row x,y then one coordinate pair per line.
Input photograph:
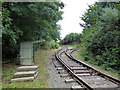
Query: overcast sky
x,y
73,10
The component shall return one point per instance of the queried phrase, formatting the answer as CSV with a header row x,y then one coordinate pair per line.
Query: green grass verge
x,y
79,55
0,85
70,46
40,57
73,46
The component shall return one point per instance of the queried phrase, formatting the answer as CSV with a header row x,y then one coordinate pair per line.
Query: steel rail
x,y
94,69
70,71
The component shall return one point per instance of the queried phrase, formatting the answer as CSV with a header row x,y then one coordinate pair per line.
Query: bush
x,y
71,39
49,45
54,45
101,40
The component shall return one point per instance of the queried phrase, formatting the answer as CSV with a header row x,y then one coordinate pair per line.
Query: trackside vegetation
x,y
71,39
100,40
29,21
101,35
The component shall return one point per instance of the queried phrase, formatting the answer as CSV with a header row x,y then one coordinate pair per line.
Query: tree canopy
x,y
71,38
101,34
26,21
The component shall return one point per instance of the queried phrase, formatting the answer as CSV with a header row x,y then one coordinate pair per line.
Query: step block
x,y
22,79
27,68
25,74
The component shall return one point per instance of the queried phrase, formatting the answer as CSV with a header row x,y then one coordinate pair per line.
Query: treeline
x,y
71,38
29,21
101,35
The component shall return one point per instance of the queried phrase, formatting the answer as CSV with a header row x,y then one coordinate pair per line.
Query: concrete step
x,y
27,68
25,74
22,79
36,74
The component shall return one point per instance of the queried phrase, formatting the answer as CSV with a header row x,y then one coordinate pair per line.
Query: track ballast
x,y
87,76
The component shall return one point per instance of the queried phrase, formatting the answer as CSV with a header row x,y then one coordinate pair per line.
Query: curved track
x,y
87,76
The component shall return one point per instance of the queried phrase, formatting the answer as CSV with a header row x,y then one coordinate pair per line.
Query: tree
x,y
71,38
100,40
25,21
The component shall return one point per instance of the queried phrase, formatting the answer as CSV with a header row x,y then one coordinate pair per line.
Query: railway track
x,y
87,76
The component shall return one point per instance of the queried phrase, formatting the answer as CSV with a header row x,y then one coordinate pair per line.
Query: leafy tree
x,y
23,21
100,39
71,38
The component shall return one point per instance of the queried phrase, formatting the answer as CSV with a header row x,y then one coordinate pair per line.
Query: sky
x,y
73,10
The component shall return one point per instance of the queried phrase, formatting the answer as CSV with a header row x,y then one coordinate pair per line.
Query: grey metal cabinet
x,y
26,53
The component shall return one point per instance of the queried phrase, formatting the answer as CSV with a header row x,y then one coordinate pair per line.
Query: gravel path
x,y
55,80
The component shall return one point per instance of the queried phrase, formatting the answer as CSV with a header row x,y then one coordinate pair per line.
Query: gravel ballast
x,y
55,80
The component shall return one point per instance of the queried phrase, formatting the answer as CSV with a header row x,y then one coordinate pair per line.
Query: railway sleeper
x,y
57,64
64,75
94,83
73,65
81,71
59,68
69,80
77,88
78,68
83,74
62,72
93,78
103,84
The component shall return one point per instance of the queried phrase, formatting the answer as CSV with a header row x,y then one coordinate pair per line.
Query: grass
x,y
40,57
0,85
112,73
78,55
72,46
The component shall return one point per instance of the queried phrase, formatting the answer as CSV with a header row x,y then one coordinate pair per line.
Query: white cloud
x,y
73,10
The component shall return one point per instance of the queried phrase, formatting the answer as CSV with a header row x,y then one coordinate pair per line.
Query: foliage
x,y
71,38
101,38
49,45
26,21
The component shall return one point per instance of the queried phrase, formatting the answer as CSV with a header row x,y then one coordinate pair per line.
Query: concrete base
x,y
22,79
27,68
25,73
